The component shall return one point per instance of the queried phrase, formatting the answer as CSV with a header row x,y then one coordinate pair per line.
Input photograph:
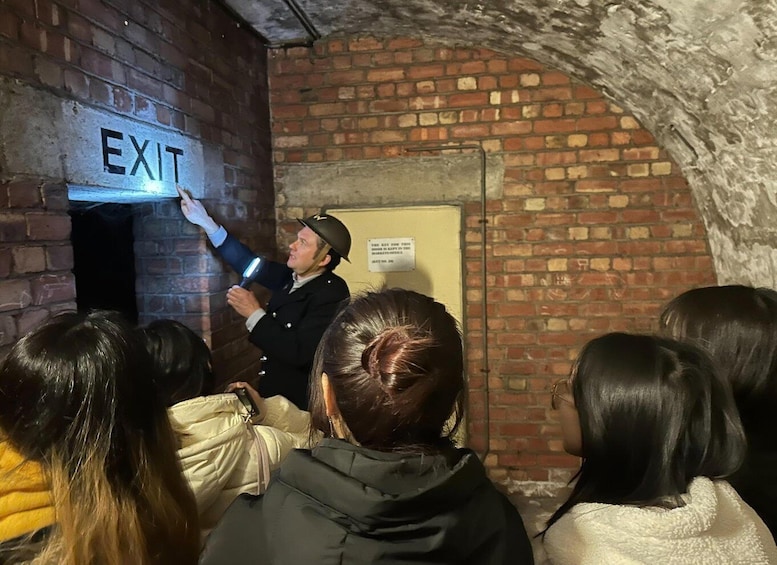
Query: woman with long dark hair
x,y
657,430
737,326
226,446
79,425
386,485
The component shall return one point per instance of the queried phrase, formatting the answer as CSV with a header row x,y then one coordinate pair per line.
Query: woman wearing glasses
x,y
657,429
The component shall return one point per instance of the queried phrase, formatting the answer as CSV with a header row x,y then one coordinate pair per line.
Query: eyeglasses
x,y
561,390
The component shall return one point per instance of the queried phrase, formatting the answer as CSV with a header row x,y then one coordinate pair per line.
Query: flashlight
x,y
250,272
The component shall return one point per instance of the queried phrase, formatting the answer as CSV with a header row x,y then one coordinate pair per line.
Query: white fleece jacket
x,y
221,451
715,527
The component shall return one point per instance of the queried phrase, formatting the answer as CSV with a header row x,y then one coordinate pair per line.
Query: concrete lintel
x,y
409,180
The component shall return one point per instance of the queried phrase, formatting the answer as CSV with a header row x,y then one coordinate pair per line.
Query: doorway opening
x,y
104,257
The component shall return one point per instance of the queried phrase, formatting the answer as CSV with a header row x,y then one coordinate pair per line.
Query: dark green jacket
x,y
346,505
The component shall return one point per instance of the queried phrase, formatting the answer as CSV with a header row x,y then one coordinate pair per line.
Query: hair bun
x,y
392,357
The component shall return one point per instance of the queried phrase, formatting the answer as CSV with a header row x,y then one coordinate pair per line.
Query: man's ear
x,y
325,261
330,402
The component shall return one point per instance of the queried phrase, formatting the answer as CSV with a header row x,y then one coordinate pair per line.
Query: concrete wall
x,y
185,71
591,225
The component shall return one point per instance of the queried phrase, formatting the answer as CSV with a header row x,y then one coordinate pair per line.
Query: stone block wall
x,y
592,228
186,67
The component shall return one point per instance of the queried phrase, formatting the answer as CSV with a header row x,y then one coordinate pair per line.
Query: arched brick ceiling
x,y
700,74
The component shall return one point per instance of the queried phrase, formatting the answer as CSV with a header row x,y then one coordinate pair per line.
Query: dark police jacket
x,y
290,331
341,503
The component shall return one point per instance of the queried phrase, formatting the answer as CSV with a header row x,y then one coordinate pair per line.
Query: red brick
x,y
8,332
15,294
557,93
523,65
144,84
9,23
49,289
425,71
591,124
59,258
642,137
5,262
77,83
468,99
641,216
24,194
364,44
511,128
597,155
386,75
28,259
582,91
98,11
12,228
47,227
31,318
554,126
16,60
54,197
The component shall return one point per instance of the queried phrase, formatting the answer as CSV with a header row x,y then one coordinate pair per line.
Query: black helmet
x,y
332,231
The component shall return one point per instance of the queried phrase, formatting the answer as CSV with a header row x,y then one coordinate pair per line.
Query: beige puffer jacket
x,y
223,453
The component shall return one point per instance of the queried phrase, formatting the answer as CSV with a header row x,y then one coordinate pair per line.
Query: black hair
x,y
737,326
182,361
654,414
394,360
74,397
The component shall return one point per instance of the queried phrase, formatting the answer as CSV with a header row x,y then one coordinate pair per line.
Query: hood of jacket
x,y
714,526
363,506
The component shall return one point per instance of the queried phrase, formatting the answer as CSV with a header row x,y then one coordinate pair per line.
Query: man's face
x,y
303,251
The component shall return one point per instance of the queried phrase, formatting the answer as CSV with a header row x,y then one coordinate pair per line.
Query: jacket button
x,y
288,325
261,373
263,358
275,314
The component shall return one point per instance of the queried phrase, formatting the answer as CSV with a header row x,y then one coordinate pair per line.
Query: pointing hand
x,y
195,212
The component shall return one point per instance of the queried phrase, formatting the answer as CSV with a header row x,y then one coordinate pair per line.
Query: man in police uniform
x,y
306,295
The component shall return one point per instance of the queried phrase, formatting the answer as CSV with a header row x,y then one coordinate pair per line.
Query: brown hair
x,y
395,363
75,396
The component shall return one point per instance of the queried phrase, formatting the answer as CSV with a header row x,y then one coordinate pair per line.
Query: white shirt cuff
x,y
218,236
255,316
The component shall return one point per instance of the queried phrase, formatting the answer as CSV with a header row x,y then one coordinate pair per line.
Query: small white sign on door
x,y
388,254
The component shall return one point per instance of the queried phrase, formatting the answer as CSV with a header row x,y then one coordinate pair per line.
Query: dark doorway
x,y
104,258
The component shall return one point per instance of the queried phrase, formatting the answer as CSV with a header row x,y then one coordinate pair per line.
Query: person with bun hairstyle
x,y
386,485
658,431
737,325
306,296
88,467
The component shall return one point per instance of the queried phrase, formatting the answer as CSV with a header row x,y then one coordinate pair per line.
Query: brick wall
x,y
35,256
594,229
183,66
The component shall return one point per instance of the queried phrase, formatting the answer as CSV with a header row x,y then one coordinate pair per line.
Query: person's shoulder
x,y
333,284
